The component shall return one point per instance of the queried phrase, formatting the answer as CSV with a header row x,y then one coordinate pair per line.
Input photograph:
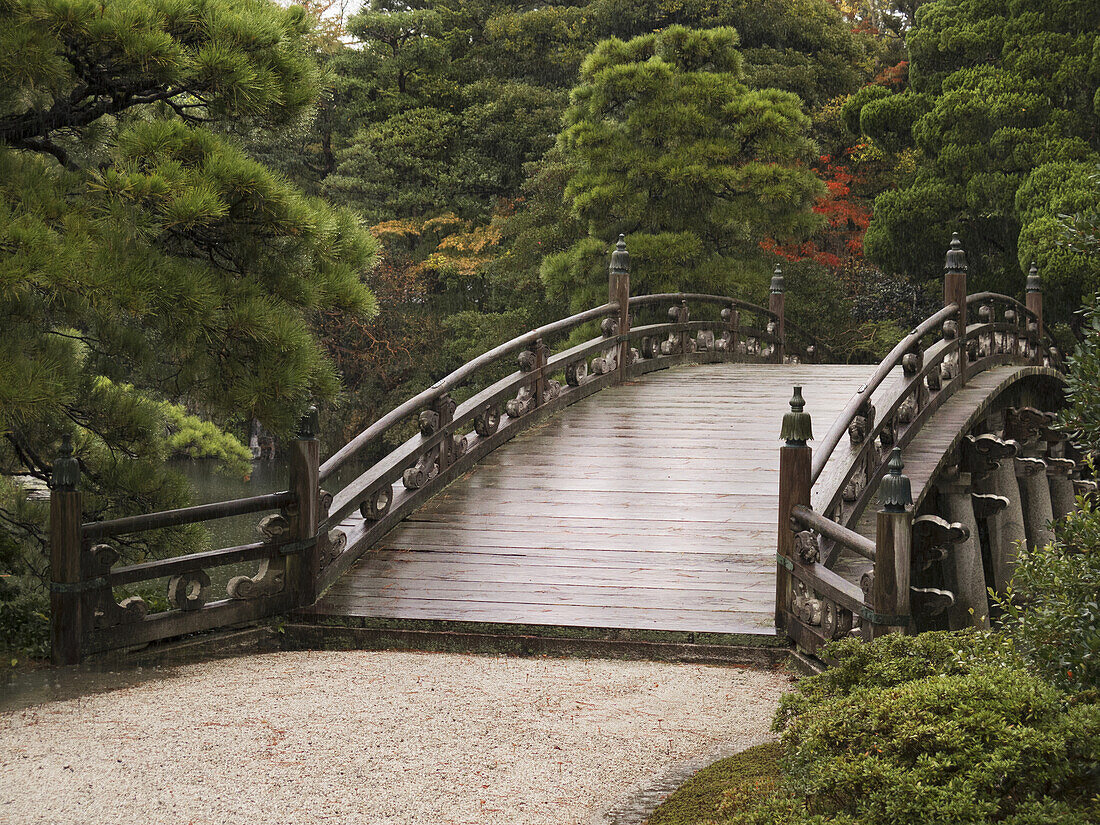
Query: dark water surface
x,y
210,485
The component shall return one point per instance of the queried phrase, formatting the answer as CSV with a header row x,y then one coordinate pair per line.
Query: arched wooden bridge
x,y
661,499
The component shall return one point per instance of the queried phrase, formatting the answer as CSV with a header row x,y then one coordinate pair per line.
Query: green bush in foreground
x,y
933,729
727,787
1051,614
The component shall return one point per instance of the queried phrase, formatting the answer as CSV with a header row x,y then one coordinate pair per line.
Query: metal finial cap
x,y
66,468
1033,282
896,493
620,258
309,425
777,280
956,257
797,428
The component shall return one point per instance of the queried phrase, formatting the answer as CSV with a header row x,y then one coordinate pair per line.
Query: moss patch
x,y
724,788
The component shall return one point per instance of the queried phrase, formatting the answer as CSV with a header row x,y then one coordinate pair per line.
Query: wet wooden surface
x,y
651,505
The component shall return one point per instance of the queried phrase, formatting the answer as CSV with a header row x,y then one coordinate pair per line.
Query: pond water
x,y
210,485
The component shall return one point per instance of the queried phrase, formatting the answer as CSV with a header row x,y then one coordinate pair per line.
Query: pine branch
x,y
29,459
47,147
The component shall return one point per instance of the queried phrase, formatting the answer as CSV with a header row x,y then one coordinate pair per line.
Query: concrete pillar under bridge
x,y
1031,473
964,570
1006,528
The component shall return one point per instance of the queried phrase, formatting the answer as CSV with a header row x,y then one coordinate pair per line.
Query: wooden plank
x,y
749,577
560,594
673,563
700,621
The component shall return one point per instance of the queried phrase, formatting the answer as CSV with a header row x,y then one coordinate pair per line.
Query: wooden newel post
x,y
618,292
733,318
540,377
794,488
775,304
893,551
954,292
66,598
1034,297
304,567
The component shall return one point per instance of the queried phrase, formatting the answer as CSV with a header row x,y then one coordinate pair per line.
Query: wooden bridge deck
x,y
651,505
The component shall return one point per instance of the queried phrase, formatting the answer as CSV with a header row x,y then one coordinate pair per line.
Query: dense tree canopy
x,y
1003,115
671,148
144,258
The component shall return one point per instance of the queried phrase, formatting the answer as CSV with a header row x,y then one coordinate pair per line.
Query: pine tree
x,y
1001,124
670,147
144,258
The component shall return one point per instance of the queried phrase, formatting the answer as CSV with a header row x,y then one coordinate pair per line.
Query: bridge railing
x,y
312,535
935,360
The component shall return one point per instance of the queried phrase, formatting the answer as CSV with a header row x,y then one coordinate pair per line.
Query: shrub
x,y
1052,610
937,728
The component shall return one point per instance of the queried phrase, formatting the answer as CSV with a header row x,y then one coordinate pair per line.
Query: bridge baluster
x,y
987,343
732,316
66,601
618,289
304,567
776,300
1010,341
1034,297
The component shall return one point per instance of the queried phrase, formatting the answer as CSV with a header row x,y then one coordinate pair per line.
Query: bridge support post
x,y
1031,472
66,600
893,550
1006,528
618,292
1062,498
795,459
954,292
304,567
965,569
776,300
1033,300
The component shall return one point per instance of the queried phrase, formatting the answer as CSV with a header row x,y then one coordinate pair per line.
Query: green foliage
x,y
1081,415
1052,609
726,787
153,277
191,437
24,618
800,46
447,162
669,147
1001,112
929,729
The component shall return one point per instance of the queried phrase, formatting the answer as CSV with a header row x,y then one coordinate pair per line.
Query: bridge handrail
x,y
893,359
980,297
828,528
185,515
724,301
456,379
888,364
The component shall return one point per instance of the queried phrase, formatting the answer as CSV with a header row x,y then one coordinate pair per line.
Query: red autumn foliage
x,y
846,218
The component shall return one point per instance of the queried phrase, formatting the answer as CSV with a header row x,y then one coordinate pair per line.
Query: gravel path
x,y
373,737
